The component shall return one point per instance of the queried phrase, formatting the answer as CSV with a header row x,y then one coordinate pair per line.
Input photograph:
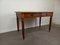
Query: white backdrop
x,y
57,12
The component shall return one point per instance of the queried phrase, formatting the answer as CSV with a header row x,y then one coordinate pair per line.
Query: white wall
x,y
57,12
8,8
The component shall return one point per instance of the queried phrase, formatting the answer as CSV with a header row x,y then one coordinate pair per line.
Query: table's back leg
x,y
17,23
50,23
23,28
39,21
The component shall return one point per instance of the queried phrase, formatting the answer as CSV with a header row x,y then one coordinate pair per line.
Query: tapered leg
x,y
50,22
17,23
23,28
40,22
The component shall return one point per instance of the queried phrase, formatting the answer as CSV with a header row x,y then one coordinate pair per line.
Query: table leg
x,y
23,28
50,22
17,23
40,22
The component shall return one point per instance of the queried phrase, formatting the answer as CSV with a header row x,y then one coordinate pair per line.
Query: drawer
x,y
27,15
49,13
37,14
43,14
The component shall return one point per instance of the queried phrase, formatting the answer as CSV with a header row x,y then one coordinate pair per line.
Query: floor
x,y
33,36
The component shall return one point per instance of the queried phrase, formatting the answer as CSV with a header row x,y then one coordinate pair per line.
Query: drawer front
x,y
37,14
49,13
43,14
26,15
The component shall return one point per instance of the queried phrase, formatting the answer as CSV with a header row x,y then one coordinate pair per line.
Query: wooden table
x,y
24,15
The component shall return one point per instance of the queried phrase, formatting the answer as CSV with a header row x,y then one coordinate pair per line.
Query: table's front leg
x,y
17,23
39,21
50,23
23,28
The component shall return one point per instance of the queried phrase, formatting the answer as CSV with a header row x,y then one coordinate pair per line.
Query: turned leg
x,y
40,22
23,28
50,22
17,23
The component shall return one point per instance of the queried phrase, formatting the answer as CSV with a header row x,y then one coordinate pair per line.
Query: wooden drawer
x,y
49,13
43,14
37,14
26,15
